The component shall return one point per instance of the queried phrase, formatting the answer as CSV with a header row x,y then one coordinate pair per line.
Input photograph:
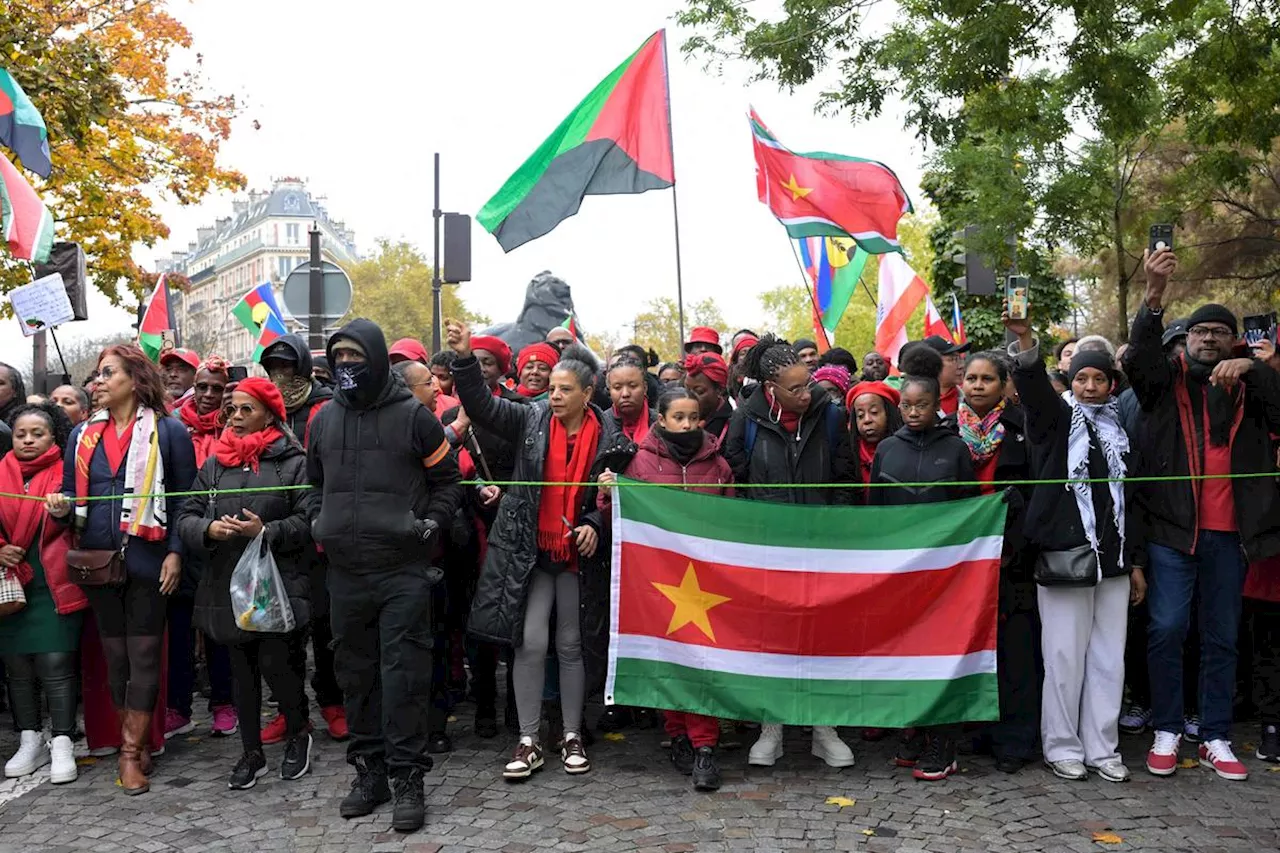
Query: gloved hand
x,y
426,530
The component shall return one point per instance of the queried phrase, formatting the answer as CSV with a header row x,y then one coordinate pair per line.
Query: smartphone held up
x,y
1017,290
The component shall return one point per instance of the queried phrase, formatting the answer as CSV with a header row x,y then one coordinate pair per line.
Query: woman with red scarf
x,y
40,640
544,550
629,390
254,452
202,411
873,417
533,368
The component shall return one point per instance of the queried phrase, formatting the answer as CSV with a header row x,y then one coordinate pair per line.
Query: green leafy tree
x,y
392,287
657,327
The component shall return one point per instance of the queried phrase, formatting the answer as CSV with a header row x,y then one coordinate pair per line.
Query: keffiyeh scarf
x,y
1114,444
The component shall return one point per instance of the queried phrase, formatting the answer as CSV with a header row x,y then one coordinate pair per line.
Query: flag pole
x,y
813,297
675,205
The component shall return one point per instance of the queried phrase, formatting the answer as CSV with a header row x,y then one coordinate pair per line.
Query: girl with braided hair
x,y
782,435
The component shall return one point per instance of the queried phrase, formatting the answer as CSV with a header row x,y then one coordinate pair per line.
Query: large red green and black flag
x,y
617,142
157,318
856,616
22,128
817,194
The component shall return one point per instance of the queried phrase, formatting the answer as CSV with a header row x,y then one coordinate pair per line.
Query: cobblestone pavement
x,y
634,801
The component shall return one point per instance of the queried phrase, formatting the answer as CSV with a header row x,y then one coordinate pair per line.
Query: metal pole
x,y
437,323
315,305
39,364
675,207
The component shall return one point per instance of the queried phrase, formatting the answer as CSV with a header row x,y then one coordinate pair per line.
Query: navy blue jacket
x,y
102,527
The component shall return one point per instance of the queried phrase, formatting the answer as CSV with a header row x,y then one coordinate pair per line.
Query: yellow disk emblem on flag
x,y
260,313
839,250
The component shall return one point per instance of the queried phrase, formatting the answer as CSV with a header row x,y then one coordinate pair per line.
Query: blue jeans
x,y
1217,569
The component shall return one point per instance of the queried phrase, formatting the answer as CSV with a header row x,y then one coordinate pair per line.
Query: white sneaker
x,y
828,746
1113,770
768,748
1068,769
62,767
30,757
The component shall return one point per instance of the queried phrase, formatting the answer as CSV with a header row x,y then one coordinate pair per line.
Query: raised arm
x,y
1145,362
504,417
1041,405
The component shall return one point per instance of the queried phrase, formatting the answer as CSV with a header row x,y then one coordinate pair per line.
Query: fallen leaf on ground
x,y
868,832
1107,838
194,740
840,801
1188,763
614,736
1273,769
86,762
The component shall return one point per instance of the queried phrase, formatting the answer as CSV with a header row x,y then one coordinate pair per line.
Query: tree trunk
x,y
1117,246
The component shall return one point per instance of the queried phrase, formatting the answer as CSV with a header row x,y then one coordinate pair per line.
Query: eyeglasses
x,y
1215,333
916,407
797,390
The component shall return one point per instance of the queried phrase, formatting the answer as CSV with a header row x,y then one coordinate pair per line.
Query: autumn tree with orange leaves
x,y
125,130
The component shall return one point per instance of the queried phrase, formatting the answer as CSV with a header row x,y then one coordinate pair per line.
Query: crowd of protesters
x,y
432,516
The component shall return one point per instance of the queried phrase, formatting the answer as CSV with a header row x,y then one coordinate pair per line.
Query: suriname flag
x,y
835,616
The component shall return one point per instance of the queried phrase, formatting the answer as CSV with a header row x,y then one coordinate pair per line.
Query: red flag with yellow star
x,y
817,194
753,610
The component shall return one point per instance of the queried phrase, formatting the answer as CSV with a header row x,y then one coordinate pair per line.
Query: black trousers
x,y
269,657
1266,661
56,672
1019,674
382,630
323,680
131,623
1135,658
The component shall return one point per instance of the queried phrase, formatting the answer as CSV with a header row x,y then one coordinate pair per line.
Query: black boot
x,y
411,808
368,791
706,772
682,754
486,720
439,743
615,718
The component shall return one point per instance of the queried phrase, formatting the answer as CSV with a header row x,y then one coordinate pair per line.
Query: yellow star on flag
x,y
797,192
691,603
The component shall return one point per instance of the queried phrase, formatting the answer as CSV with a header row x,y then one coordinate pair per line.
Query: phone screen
x,y
1258,327
237,372
1016,293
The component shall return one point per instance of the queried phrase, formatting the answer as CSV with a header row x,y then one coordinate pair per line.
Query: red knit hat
x,y
495,345
880,389
265,392
407,349
710,365
744,342
543,352
704,335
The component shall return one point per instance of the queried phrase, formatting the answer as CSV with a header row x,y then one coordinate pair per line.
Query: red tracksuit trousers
x,y
702,731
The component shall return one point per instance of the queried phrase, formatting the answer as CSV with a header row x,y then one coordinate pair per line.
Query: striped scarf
x,y
143,507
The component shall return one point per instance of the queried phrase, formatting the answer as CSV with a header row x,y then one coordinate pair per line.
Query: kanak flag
x,y
957,322
933,324
829,195
901,292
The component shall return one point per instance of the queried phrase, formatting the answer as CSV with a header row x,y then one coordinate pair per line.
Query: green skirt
x,y
38,628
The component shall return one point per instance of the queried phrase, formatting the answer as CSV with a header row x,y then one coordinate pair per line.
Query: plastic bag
x,y
258,597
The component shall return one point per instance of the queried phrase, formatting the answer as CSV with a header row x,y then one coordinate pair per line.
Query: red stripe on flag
x,y
636,115
915,613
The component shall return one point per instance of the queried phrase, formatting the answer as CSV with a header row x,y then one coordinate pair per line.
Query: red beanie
x,y
265,392
880,389
495,345
710,365
543,352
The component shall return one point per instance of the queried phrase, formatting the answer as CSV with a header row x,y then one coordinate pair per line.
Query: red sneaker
x,y
335,716
275,731
1162,759
1218,755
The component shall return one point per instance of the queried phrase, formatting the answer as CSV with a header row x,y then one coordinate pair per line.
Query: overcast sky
x,y
357,103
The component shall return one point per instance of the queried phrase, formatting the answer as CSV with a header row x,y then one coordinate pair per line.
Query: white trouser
x,y
1082,637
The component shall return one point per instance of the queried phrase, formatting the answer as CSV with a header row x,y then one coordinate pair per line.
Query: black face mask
x,y
683,445
355,381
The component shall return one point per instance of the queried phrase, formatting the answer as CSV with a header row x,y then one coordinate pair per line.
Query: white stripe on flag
x,y
818,668
822,560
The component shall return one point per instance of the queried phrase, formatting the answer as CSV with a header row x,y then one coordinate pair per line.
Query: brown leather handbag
x,y
97,567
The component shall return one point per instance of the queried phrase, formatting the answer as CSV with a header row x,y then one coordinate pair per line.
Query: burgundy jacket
x,y
707,472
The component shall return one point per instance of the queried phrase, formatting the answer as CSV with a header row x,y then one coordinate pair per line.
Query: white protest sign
x,y
41,304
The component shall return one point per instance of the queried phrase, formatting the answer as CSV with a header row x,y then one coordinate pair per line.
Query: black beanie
x,y
803,344
1099,359
1213,313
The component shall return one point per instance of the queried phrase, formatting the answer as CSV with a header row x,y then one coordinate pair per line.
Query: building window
x,y
291,234
286,266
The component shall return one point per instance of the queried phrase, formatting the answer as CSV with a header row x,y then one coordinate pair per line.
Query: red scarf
x,y
530,393
637,429
866,455
789,421
21,519
203,428
236,452
561,502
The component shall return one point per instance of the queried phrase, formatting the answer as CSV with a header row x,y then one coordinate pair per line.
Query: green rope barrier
x,y
636,484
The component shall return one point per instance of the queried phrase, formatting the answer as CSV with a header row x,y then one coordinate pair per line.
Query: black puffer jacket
x,y
381,465
936,455
782,458
497,456
1170,510
286,517
1052,519
497,611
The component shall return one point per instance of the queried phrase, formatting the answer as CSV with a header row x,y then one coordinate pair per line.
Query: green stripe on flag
x,y
802,701
831,528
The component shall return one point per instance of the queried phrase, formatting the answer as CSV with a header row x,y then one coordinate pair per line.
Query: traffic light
x,y
979,279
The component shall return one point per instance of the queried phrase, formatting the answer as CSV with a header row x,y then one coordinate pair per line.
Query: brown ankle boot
x,y
134,736
146,745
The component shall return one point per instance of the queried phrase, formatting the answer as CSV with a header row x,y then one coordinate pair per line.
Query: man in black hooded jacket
x,y
389,485
287,361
